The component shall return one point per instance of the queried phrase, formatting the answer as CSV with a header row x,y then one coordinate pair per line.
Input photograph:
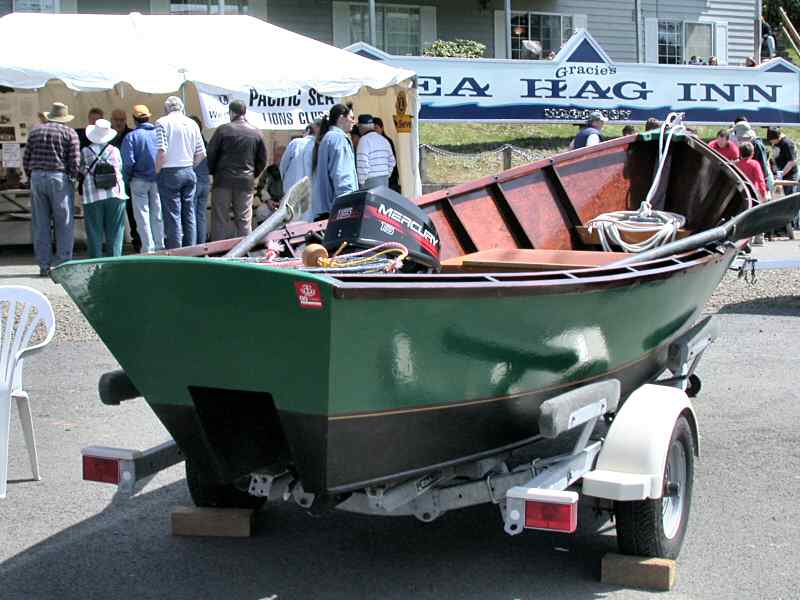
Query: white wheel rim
x,y
672,505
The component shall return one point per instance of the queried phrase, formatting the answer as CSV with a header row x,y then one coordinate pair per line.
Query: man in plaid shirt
x,y
51,161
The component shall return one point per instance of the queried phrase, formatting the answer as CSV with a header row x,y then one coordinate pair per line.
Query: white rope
x,y
662,225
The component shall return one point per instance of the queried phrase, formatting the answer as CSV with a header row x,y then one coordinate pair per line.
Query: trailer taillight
x,y
550,516
541,508
103,470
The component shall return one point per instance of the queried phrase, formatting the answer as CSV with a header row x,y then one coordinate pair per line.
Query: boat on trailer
x,y
376,392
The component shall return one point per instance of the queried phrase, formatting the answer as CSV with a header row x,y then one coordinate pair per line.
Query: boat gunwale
x,y
487,284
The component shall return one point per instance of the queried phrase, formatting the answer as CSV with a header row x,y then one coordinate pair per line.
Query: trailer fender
x,y
631,463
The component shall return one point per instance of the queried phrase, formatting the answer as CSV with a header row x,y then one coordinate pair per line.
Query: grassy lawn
x,y
539,141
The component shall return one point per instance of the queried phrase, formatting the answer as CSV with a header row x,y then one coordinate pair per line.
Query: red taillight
x,y
553,517
103,470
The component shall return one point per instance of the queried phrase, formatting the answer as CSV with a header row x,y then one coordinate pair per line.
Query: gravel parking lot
x,y
63,538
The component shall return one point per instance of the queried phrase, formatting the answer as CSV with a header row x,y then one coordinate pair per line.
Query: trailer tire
x,y
218,495
657,527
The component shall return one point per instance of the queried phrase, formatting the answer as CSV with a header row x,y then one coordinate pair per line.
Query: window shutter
x,y
427,25
721,41
500,34
341,24
580,22
651,40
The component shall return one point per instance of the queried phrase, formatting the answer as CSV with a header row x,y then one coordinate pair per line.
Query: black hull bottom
x,y
370,449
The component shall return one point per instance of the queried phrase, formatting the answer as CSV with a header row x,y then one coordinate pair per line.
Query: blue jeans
x,y
176,187
52,200
201,211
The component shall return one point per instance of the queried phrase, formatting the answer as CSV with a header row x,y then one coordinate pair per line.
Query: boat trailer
x,y
630,463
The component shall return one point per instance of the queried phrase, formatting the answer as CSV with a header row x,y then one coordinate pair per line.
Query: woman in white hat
x,y
103,191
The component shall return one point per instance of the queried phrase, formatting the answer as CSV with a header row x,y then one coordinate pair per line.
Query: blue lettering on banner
x,y
570,86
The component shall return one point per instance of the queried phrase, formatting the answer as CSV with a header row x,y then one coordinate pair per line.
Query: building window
x,y
36,6
670,42
397,28
538,29
679,42
209,7
699,40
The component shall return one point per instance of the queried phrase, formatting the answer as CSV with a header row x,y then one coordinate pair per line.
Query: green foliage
x,y
456,49
773,17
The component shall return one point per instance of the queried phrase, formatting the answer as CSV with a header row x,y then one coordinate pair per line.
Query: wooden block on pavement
x,y
638,572
218,522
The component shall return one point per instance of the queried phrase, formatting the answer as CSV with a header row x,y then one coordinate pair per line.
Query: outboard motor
x,y
367,218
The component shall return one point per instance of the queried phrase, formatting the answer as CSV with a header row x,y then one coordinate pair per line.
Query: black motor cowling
x,y
367,218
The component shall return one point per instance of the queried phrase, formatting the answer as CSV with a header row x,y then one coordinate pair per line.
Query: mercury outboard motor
x,y
367,218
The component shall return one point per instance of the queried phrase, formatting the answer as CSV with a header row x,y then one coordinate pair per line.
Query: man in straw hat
x,y
139,160
52,162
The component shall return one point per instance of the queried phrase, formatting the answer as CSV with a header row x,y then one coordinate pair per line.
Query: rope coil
x,y
662,225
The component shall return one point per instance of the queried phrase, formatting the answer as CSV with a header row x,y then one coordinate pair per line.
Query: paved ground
x,y
62,538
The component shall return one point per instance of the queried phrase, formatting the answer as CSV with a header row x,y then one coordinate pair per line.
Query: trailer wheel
x,y
656,528
218,496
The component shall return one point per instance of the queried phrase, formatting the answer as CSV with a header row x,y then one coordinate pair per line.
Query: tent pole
x,y
372,24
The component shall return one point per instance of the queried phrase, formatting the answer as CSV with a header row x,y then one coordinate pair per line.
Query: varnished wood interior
x,y
547,204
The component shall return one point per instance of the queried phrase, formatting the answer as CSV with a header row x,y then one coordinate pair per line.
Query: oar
x,y
759,219
295,202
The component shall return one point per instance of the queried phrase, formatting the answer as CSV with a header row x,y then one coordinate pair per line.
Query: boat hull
x,y
378,383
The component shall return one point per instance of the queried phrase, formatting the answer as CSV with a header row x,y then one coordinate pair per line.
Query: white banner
x,y
582,78
265,112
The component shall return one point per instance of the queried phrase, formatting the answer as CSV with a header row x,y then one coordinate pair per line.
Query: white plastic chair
x,y
15,335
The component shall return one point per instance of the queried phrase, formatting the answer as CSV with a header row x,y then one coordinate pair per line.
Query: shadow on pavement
x,y
783,306
126,551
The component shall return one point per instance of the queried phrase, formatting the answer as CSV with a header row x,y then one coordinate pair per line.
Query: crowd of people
x,y
763,162
161,174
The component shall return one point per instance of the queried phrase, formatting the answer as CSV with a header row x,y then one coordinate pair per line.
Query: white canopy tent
x,y
116,61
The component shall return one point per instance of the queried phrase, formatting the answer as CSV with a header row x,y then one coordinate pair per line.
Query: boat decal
x,y
309,294
391,216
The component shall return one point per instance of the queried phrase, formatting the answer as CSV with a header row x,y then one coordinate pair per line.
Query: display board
x,y
582,78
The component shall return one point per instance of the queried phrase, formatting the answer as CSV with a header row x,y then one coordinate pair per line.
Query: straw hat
x,y
101,132
141,110
59,113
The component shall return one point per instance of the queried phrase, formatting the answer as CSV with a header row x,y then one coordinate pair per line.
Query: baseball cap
x,y
140,110
596,115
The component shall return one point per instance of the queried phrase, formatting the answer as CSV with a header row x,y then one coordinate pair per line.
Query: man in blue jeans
x,y
52,162
180,147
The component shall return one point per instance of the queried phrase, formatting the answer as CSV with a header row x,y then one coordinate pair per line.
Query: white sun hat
x,y
101,132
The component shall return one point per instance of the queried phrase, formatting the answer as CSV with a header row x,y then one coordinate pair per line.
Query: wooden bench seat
x,y
498,260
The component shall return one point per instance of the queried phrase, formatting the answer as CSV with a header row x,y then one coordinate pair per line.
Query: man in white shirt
x,y
179,147
374,157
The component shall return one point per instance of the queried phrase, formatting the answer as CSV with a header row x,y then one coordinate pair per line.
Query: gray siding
x,y
113,8
611,23
739,14
311,18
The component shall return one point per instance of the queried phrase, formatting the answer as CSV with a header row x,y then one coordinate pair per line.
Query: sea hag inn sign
x,y
582,78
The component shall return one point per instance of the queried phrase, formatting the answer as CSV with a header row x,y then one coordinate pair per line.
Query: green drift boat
x,y
357,380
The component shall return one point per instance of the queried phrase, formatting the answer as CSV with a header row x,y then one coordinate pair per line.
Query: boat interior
x,y
534,218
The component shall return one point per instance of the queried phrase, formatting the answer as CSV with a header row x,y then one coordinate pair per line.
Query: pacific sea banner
x,y
290,112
